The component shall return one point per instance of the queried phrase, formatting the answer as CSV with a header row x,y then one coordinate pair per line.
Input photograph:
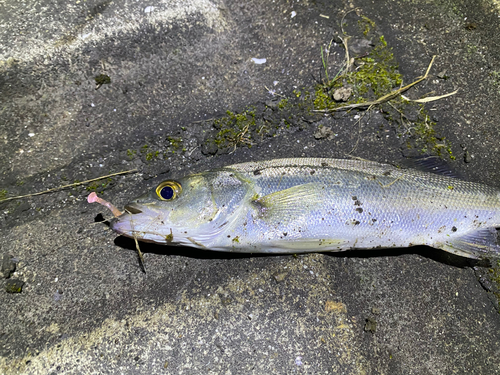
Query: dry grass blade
x,y
429,98
67,186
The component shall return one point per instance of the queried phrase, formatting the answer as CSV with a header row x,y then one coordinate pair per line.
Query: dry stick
x,y
136,242
208,119
140,254
67,186
359,131
384,98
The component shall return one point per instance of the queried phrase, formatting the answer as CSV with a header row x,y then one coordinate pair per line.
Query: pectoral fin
x,y
480,244
296,200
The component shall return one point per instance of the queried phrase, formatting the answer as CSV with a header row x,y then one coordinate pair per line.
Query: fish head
x,y
188,211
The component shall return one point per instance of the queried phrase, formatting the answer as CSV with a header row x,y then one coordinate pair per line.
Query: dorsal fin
x,y
432,164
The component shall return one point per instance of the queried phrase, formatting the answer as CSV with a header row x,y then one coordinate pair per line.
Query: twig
x,y
208,119
392,182
139,252
359,130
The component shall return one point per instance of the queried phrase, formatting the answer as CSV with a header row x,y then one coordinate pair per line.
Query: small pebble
x,y
371,325
279,277
14,286
7,266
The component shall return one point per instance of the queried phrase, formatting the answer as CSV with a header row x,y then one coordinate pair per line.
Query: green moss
x,y
322,100
152,155
366,25
14,286
176,143
102,79
378,72
99,185
235,129
131,153
3,194
283,103
144,149
426,138
377,75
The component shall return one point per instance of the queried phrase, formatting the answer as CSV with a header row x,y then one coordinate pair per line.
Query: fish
x,y
298,205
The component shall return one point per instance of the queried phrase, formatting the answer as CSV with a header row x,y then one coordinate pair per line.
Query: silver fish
x,y
312,204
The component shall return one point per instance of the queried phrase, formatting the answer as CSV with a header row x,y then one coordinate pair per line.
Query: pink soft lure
x,y
93,198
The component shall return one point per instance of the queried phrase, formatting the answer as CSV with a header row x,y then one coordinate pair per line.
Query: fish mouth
x,y
142,223
124,224
132,210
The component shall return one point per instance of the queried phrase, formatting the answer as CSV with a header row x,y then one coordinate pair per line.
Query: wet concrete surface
x,y
86,305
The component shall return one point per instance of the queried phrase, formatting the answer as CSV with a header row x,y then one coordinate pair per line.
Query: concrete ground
x,y
91,88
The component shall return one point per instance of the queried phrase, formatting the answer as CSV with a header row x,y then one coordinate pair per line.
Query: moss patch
x,y
234,130
373,76
175,143
131,153
102,79
156,149
366,24
99,186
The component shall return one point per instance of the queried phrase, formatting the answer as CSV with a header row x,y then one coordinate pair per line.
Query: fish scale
x,y
319,204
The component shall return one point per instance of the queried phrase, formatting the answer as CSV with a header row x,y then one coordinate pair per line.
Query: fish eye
x,y
168,190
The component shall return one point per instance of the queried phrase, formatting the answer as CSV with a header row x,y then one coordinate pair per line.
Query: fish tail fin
x,y
480,244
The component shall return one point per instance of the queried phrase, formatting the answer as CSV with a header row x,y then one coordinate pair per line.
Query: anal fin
x,y
310,244
480,244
